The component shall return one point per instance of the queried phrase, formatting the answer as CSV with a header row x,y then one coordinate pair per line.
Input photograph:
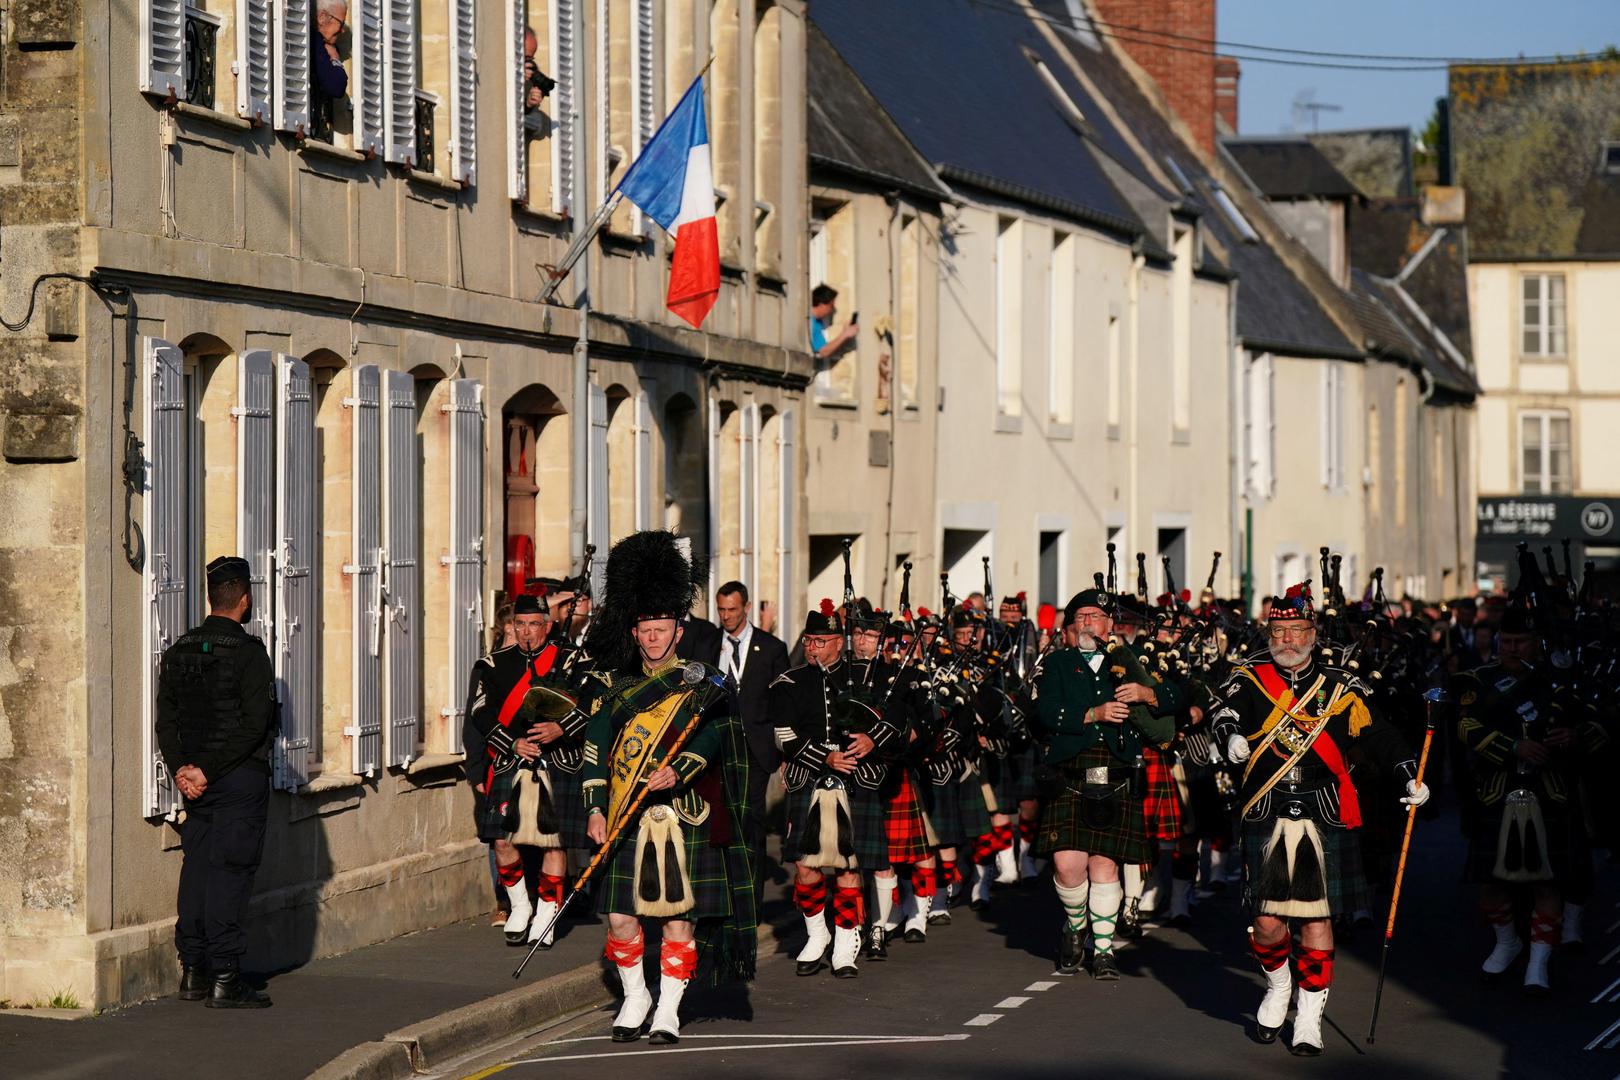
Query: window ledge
x,y
838,403
1010,423
332,782
526,215
430,762
316,148
1543,358
1060,429
434,180
212,116
622,243
1180,436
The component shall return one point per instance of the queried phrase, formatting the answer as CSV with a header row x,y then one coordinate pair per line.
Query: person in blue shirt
x,y
823,307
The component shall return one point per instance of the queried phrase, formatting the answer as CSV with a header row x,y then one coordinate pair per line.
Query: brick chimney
x,y
1185,73
1227,73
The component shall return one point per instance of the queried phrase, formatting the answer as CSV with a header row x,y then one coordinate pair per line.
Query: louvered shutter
x,y
1269,435
292,66
596,459
644,470
255,418
1325,433
788,521
464,91
297,604
253,82
399,83
466,556
401,569
643,85
163,48
369,83
747,494
365,577
517,138
713,439
170,562
565,59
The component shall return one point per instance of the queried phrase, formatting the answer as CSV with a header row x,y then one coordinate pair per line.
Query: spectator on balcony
x,y
823,306
537,85
331,80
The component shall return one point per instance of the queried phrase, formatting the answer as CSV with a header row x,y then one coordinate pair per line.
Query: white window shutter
x,y
163,49
369,84
466,556
1326,425
464,91
747,495
644,473
294,19
255,419
565,59
296,602
1270,433
643,86
401,569
596,464
253,82
169,565
788,521
517,138
399,95
365,571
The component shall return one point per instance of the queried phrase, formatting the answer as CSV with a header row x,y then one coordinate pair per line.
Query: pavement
x,y
979,998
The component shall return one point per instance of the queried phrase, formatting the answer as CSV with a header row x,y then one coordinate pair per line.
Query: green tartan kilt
x,y
1021,763
1347,888
867,817
955,809
615,891
566,793
569,791
1115,827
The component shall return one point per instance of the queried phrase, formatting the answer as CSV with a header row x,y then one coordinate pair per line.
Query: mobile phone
x,y
855,318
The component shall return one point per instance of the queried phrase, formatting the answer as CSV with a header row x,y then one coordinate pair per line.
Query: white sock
x,y
1133,880
886,888
1106,897
1074,900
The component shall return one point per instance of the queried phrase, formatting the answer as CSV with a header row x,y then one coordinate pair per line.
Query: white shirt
x,y
743,638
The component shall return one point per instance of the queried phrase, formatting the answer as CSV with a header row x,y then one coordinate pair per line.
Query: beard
x,y
1290,656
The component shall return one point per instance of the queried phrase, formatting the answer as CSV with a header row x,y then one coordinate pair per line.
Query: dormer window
x,y
1611,157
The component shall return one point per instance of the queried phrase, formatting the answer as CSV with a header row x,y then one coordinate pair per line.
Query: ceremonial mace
x,y
609,843
1431,698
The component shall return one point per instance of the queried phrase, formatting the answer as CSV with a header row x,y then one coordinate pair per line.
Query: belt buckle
x,y
1295,775
1097,775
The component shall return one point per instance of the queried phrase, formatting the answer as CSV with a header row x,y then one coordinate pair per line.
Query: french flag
x,y
672,182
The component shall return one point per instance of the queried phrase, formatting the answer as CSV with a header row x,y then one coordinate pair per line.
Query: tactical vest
x,y
205,667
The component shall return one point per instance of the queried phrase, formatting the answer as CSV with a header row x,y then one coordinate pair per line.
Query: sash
x,y
636,747
1271,684
539,666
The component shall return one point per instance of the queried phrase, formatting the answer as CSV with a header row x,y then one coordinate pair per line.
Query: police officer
x,y
216,717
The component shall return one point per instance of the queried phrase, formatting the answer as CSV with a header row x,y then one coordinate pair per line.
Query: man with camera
x,y
537,86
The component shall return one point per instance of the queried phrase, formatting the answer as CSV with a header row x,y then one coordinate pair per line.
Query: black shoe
x,y
1266,1035
845,972
194,982
877,944
939,918
230,992
915,936
1071,951
1130,921
628,1034
1305,1050
1104,968
662,1038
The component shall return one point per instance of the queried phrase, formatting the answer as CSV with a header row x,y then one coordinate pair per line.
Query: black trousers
x,y
222,840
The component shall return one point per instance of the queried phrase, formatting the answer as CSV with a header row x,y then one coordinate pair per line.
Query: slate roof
x,y
849,131
1518,128
960,85
1289,167
1387,235
1394,331
1378,161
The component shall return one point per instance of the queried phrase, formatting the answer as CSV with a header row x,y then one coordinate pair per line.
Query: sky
x,y
1450,28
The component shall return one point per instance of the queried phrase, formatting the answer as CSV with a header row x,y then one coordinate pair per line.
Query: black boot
x,y
1130,920
1104,968
194,982
231,992
877,943
1071,951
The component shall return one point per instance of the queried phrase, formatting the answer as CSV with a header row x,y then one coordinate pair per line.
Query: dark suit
x,y
700,640
767,658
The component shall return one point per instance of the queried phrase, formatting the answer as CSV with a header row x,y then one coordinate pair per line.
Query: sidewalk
x,y
321,1009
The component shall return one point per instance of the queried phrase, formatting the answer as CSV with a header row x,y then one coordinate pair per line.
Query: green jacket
x,y
1066,689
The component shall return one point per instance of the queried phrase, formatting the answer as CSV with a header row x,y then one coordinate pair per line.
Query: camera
x,y
539,79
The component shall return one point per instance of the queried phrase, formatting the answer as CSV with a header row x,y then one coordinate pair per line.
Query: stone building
x,y
304,328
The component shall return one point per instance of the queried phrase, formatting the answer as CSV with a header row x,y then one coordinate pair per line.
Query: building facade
x,y
304,328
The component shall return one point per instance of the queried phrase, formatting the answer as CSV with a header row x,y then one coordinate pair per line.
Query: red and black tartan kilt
x,y
1161,803
903,819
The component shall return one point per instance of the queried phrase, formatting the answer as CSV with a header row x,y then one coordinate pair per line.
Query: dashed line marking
x,y
1038,987
982,1020
1011,1003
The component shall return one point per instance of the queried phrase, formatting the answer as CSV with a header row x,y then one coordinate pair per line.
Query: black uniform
x,y
216,710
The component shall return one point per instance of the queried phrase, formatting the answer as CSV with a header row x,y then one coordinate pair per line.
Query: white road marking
x,y
1011,1003
982,1020
1039,986
878,1041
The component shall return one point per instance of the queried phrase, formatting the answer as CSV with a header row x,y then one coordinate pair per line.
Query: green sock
x,y
1105,899
1073,900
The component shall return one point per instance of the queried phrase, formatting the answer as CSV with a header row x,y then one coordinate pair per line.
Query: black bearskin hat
x,y
647,577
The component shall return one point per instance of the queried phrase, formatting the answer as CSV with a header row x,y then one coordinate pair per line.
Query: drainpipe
x,y
1132,454
1426,391
580,431
1234,418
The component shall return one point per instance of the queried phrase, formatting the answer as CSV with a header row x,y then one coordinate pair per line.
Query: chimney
x,y
1186,71
1227,74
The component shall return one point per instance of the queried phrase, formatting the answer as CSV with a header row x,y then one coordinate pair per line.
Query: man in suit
x,y
751,659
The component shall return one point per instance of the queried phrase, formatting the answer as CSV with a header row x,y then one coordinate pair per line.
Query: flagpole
x,y
582,240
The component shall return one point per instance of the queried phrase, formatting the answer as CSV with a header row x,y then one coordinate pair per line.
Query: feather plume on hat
x,y
648,576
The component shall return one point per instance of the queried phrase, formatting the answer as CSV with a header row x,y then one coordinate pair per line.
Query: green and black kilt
x,y
1021,763
1347,888
955,809
705,868
497,809
867,818
494,804
1115,826
1569,852
566,788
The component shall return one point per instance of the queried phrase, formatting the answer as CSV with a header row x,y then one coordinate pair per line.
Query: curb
x,y
402,1054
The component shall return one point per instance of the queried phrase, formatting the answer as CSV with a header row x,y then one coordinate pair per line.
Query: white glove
x,y
1237,749
1416,794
